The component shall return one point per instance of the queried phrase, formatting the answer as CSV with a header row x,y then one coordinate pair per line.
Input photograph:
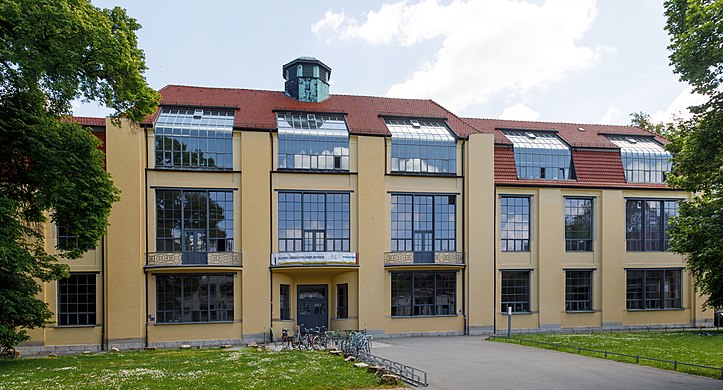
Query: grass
x,y
685,346
175,369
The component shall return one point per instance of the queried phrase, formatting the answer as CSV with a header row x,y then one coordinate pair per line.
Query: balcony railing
x,y
193,259
314,259
424,258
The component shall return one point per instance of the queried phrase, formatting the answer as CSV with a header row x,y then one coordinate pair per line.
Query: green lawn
x,y
688,347
176,369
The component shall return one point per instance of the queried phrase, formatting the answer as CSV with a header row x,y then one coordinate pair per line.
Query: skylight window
x,y
644,160
540,155
313,141
422,146
194,139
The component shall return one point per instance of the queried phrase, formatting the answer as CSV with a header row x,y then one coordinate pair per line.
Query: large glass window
x,y
578,290
647,222
516,291
76,300
578,224
651,289
194,221
515,223
423,223
644,160
313,141
314,222
194,298
194,139
423,293
422,146
540,155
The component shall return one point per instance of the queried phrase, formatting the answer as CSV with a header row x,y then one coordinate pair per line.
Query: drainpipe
x,y
271,230
465,272
145,202
105,296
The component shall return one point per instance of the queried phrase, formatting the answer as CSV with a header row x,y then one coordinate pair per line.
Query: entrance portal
x,y
312,306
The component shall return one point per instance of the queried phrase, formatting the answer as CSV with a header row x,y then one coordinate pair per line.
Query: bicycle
x,y
8,352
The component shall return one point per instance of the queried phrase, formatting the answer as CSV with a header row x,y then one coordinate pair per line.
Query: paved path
x,y
468,362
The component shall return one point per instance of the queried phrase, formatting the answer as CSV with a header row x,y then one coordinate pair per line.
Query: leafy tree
x,y
696,31
51,52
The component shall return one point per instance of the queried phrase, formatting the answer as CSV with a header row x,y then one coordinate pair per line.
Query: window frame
x,y
342,300
645,243
527,293
344,241
587,243
638,152
313,138
408,135
90,301
285,302
230,311
435,218
422,304
643,300
535,151
586,303
504,242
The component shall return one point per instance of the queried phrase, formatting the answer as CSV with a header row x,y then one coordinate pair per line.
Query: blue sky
x,y
556,60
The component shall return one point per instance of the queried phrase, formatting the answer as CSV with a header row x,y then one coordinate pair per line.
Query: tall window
x,y
422,146
194,139
515,223
516,291
194,298
578,224
578,290
647,222
651,289
285,302
194,221
423,223
76,300
313,222
540,155
423,293
644,160
313,141
342,300
64,238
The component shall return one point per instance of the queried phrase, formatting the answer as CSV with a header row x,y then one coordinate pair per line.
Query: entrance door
x,y
312,306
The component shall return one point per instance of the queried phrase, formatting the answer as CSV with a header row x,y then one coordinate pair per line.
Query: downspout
x,y
494,256
271,231
465,271
105,296
145,198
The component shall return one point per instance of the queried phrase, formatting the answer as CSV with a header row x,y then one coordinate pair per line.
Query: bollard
x,y
509,320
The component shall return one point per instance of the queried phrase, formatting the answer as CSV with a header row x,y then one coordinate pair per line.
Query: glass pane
x,y
540,155
422,146
644,159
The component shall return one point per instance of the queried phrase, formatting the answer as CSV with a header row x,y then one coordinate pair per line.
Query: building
x,y
247,210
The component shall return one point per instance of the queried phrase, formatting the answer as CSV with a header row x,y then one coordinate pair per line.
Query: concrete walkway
x,y
468,362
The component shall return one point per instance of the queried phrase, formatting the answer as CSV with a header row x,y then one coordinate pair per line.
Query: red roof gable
x,y
593,135
255,109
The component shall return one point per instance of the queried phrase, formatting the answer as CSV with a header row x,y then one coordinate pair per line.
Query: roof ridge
x,y
557,123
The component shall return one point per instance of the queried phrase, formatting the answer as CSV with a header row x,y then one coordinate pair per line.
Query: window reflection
x,y
422,146
311,141
540,155
644,160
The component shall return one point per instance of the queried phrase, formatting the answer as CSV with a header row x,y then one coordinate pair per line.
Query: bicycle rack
x,y
409,374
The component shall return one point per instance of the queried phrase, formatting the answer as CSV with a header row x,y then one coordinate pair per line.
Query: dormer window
x,y
422,146
313,141
540,155
188,138
644,159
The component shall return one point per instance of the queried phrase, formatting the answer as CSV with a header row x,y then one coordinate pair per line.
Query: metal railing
x,y
190,259
430,258
409,374
637,358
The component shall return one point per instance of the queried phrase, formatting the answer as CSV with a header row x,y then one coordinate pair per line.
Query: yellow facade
x,y
126,286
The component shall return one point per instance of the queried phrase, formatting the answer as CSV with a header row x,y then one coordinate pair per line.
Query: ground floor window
x,y
342,300
194,298
423,293
651,289
516,291
76,300
578,290
285,302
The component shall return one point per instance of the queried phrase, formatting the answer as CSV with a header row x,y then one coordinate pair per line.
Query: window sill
x,y
75,326
646,310
192,169
303,170
514,313
427,316
423,174
193,323
579,311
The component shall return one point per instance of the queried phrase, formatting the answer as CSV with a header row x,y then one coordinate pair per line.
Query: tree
x,y
51,52
696,31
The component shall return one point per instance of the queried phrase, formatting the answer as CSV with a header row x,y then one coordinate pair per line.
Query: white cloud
x,y
679,107
612,116
519,112
489,47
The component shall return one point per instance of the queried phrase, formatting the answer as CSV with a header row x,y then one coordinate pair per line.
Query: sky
x,y
577,61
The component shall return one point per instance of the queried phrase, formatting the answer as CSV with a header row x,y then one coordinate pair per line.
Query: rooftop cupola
x,y
307,79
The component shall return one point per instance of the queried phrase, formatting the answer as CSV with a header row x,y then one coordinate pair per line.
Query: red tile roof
x,y
88,121
593,135
255,109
